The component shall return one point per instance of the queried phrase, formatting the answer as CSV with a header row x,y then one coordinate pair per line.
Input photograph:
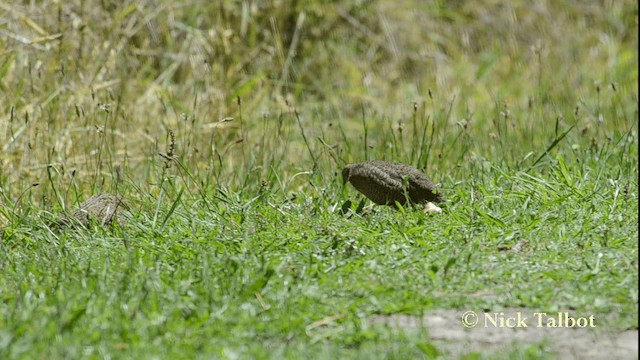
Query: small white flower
x,y
432,208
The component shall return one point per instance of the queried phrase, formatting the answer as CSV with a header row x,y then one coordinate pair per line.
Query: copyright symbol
x,y
469,319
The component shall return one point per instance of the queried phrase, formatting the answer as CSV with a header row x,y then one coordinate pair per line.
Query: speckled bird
x,y
104,208
384,183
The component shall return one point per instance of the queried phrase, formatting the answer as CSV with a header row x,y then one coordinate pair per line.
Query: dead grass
x,y
90,86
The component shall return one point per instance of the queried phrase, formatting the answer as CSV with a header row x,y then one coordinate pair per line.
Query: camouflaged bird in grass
x,y
386,183
104,209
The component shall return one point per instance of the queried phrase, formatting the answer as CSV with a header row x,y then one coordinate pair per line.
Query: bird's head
x,y
346,173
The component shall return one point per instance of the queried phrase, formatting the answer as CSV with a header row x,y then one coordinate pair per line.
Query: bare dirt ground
x,y
446,329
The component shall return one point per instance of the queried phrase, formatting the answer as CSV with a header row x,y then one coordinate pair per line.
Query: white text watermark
x,y
519,319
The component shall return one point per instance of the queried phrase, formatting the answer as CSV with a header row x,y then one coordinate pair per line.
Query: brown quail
x,y
104,208
384,183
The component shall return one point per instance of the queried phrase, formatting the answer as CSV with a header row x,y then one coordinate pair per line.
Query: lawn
x,y
226,125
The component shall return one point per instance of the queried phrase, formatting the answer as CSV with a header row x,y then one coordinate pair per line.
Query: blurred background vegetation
x,y
280,94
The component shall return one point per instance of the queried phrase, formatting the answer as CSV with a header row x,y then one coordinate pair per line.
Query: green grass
x,y
236,247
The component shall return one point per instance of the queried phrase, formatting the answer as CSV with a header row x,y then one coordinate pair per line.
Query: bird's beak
x,y
345,176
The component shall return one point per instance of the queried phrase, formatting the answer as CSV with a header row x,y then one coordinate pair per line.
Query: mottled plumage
x,y
104,209
384,183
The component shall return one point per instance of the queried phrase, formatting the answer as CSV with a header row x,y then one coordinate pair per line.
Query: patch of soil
x,y
446,329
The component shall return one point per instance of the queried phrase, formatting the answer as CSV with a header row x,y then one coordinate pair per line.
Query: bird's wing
x,y
391,174
391,180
